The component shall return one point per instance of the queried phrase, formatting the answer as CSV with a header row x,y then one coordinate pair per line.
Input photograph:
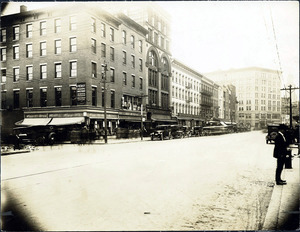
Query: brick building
x,y
54,63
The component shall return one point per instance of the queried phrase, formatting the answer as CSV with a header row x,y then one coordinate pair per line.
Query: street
x,y
221,182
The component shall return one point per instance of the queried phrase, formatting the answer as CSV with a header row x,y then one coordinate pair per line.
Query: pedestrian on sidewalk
x,y
280,152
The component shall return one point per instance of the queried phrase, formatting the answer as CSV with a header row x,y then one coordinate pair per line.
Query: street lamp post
x,y
142,125
104,100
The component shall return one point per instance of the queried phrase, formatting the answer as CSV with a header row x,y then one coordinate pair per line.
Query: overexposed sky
x,y
213,35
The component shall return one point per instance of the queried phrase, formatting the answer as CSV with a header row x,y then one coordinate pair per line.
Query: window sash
x,y
58,71
29,73
73,69
16,72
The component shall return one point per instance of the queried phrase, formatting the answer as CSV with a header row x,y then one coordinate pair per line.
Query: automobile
x,y
177,131
161,132
272,132
197,131
215,127
232,127
187,131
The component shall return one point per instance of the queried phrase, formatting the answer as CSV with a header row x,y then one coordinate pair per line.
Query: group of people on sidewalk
x,y
281,151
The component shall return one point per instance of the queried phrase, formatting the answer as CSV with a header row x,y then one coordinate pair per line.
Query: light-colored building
x,y
186,94
258,94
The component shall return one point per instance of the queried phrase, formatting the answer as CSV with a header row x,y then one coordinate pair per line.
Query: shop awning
x,y
33,122
66,121
162,118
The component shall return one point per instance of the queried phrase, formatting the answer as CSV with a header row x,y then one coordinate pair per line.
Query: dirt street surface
x,y
203,183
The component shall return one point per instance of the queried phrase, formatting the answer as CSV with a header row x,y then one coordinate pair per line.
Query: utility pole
x,y
290,93
104,99
142,126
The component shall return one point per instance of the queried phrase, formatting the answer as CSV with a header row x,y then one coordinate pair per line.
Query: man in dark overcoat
x,y
280,152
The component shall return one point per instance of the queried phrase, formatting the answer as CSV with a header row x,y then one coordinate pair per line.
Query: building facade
x,y
70,63
186,94
258,94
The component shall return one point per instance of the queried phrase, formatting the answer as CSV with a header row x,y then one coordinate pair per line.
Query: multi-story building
x,y
206,103
186,94
158,64
285,110
258,94
64,65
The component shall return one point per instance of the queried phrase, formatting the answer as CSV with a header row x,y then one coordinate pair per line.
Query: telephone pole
x,y
290,93
104,99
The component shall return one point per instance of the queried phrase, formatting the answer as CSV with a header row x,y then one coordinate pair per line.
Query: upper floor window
x,y
57,48
57,25
3,35
133,81
140,46
140,65
103,50
29,30
112,54
152,59
132,41
29,97
57,70
112,34
73,23
16,52
16,33
73,44
43,97
112,99
43,49
124,37
112,75
16,99
94,96
124,78
141,83
3,99
3,75
43,71
43,28
93,25
58,96
16,74
94,46
73,68
3,54
29,73
132,61
73,95
124,57
94,69
103,30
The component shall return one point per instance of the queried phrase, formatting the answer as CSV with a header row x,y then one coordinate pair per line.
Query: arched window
x,y
152,59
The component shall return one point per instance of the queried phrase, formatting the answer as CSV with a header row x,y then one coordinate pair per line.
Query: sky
x,y
220,35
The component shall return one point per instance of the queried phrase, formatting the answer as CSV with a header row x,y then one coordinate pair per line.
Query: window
x,y
16,52
43,49
93,25
132,61
43,97
73,95
155,38
94,69
29,31
57,44
73,68
16,99
140,65
28,50
29,73
57,25
16,74
3,75
57,96
73,22
152,97
94,96
93,46
132,41
165,101
3,100
112,34
43,28
103,31
3,35
112,99
133,81
73,44
103,50
141,83
124,78
112,75
124,57
124,37
29,97
103,96
16,33
112,54
43,71
57,67
3,54
140,46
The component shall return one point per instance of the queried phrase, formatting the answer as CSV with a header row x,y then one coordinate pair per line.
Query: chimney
x,y
23,9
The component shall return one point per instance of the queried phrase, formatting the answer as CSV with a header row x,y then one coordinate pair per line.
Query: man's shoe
x,y
280,183
283,181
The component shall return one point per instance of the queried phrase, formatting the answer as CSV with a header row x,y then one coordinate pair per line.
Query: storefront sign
x,y
81,93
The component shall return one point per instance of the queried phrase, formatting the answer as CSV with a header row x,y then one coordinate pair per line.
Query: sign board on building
x,y
81,93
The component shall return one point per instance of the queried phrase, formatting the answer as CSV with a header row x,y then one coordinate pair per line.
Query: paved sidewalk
x,y
283,211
